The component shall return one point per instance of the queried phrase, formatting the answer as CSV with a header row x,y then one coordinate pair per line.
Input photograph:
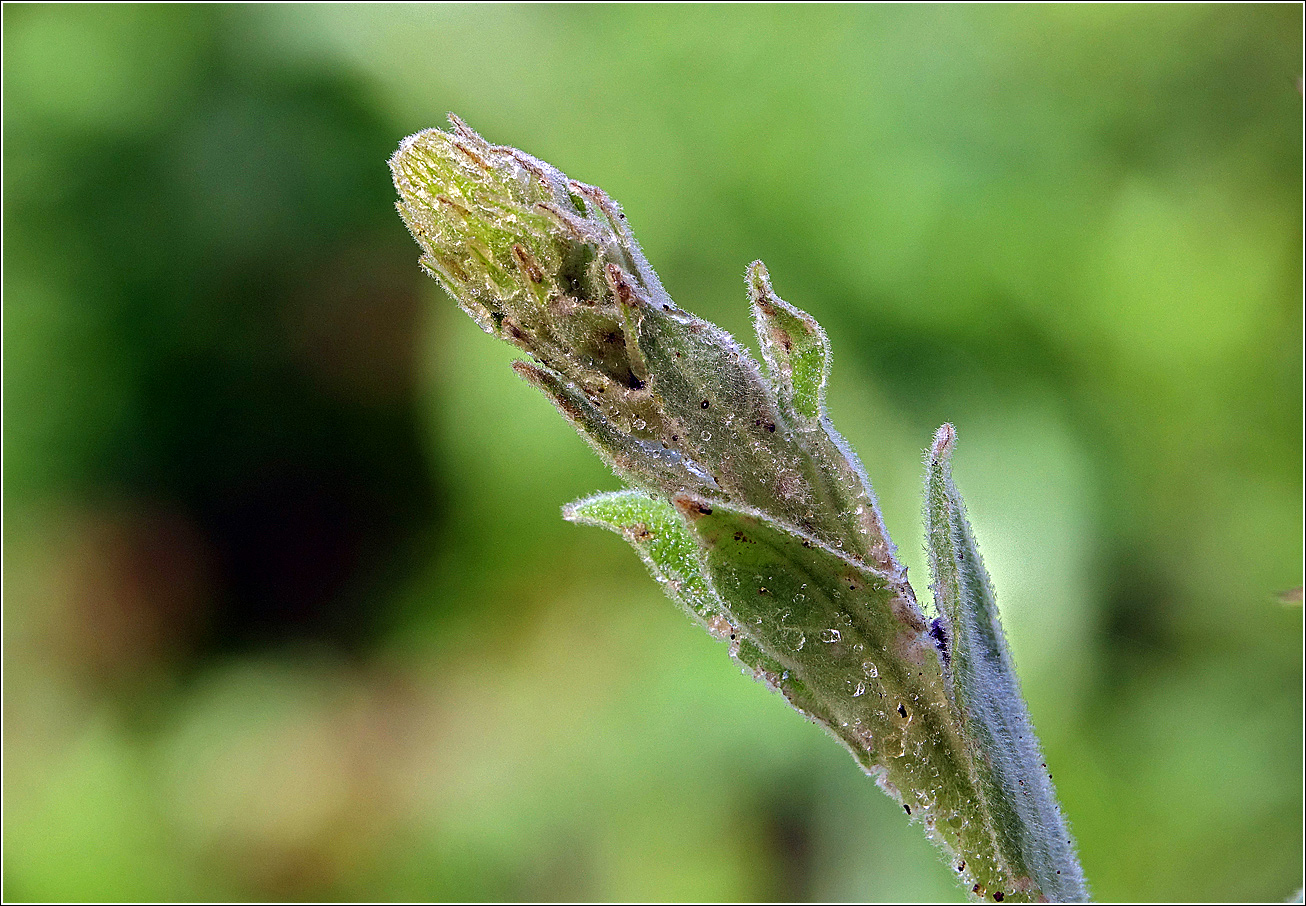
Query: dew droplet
x,y
830,636
869,668
861,690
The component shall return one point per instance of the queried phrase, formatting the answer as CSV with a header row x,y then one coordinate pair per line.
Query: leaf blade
x,y
983,687
824,618
659,536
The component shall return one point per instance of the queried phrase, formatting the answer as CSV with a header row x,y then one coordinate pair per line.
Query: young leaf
x,y
659,536
794,346
1030,830
652,527
641,462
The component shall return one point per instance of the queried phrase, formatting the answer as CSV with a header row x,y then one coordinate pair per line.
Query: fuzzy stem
x,y
746,504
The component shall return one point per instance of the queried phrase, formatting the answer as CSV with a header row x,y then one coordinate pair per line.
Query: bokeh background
x,y
289,610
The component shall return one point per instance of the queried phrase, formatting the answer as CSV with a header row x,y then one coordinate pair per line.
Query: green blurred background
x,y
289,610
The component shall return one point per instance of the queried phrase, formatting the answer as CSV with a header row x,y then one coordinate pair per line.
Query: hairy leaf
x,y
1014,780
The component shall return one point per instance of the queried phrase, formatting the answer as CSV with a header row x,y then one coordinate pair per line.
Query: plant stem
x,y
748,506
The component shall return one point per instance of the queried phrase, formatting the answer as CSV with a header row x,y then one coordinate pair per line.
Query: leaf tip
x,y
945,440
529,371
568,402
571,511
459,124
759,279
622,287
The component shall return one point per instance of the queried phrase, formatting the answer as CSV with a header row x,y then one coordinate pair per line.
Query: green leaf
x,y
1030,830
660,537
645,463
795,348
651,526
856,657
798,358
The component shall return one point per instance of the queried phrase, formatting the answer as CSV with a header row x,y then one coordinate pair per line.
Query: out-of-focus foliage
x,y
289,610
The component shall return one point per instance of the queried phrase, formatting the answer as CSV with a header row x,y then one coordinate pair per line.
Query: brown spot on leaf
x,y
528,265
690,507
720,627
471,155
620,285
